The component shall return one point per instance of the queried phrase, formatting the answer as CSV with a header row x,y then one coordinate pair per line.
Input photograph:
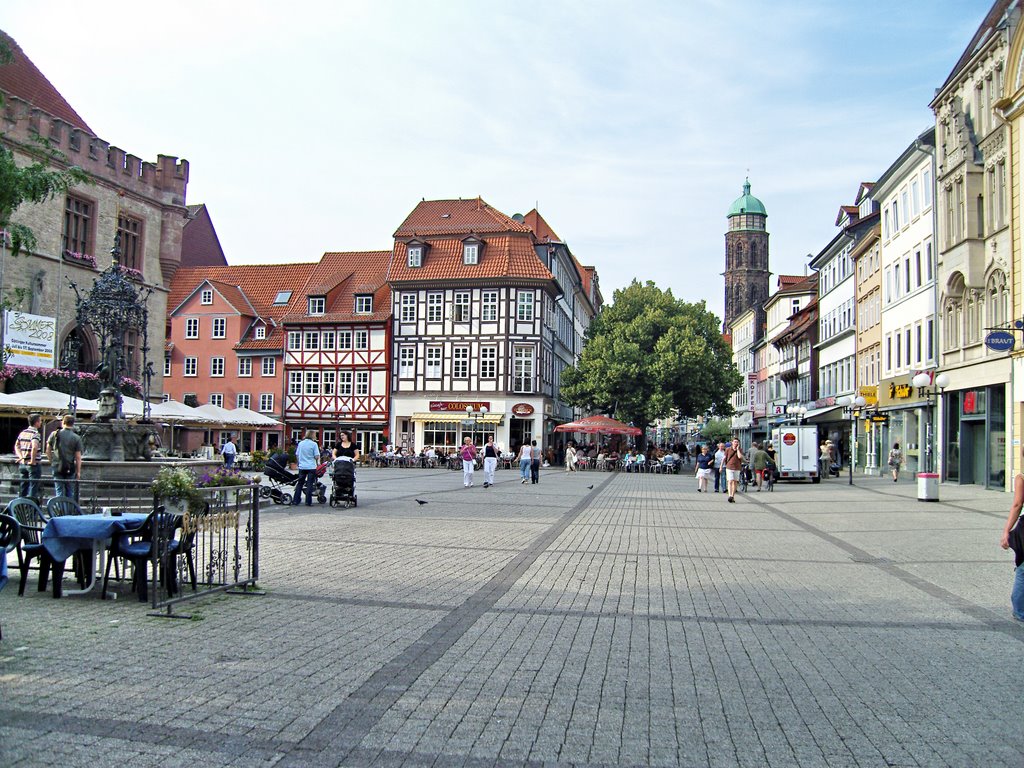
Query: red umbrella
x,y
599,424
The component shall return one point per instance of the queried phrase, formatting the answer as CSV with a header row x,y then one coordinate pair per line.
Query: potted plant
x,y
222,477
176,486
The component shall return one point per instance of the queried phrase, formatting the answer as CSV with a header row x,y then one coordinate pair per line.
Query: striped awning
x,y
454,416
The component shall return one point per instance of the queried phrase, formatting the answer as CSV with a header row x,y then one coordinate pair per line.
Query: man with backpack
x,y
28,449
64,450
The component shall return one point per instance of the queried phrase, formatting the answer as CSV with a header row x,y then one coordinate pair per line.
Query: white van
x,y
796,452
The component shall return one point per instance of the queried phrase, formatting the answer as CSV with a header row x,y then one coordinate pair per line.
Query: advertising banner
x,y
29,339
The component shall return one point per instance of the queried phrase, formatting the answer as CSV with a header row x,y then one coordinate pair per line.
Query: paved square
x,y
633,623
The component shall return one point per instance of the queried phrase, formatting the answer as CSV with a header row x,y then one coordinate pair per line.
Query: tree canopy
x,y
649,355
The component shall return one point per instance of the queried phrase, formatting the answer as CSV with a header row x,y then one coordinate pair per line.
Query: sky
x,y
318,126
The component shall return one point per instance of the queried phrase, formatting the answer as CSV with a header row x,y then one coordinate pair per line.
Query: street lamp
x,y
922,381
854,404
797,412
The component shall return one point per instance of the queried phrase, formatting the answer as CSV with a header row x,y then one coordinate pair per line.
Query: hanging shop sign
x,y
522,409
454,406
1000,341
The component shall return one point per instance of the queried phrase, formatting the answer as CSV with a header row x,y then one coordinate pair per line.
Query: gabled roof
x,y
800,322
989,25
233,295
503,255
200,246
540,227
259,283
23,79
340,276
447,217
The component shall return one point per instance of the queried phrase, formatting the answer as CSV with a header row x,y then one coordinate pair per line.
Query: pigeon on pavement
x,y
420,501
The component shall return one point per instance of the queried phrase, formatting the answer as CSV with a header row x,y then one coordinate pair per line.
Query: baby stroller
x,y
343,492
281,478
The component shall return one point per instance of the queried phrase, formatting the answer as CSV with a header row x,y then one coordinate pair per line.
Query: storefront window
x,y
997,437
951,431
440,434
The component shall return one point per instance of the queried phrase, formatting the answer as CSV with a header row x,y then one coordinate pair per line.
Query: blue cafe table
x,y
63,536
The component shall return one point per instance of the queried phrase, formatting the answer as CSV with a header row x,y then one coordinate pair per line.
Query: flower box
x,y
85,259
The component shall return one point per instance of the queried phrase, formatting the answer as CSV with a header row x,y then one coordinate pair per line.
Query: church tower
x,y
746,260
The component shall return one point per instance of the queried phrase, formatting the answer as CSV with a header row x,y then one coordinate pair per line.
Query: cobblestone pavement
x,y
590,620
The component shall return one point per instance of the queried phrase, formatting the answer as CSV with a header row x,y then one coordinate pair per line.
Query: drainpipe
x,y
938,447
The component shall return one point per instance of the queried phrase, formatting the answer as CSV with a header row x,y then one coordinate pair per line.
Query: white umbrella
x,y
217,414
172,410
44,401
254,419
131,406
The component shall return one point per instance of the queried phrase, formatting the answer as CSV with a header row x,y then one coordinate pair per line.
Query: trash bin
x,y
927,486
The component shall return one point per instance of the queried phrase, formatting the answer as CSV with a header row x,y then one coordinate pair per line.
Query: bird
x,y
590,487
420,502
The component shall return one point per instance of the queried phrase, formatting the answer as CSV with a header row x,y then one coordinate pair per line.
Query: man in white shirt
x,y
229,452
719,467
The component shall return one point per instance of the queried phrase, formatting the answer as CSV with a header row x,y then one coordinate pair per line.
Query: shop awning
x,y
821,415
453,416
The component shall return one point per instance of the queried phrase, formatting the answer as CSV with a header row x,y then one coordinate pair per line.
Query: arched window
x,y
997,300
973,316
952,314
80,345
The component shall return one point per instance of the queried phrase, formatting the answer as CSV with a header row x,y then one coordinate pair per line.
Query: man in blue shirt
x,y
307,454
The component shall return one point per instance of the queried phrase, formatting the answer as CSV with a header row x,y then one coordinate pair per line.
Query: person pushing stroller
x,y
345,455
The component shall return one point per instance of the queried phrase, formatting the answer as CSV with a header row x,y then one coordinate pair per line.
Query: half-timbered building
x,y
337,345
473,305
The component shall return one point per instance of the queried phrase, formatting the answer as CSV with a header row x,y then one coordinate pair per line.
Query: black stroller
x,y
343,492
280,477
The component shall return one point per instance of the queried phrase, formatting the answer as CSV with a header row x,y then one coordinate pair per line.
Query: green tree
x,y
648,354
717,430
46,176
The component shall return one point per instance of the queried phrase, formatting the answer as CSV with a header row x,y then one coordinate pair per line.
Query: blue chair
x,y
10,536
29,545
137,545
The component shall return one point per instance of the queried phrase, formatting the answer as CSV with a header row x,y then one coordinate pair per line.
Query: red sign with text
x,y
449,406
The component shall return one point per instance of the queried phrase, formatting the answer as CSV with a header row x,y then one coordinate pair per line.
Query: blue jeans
x,y
307,480
229,460
30,481
524,469
719,479
1017,596
65,486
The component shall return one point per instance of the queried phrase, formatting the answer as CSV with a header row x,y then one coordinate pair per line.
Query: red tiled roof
x,y
787,280
342,275
540,227
23,79
259,282
503,255
447,217
233,295
798,283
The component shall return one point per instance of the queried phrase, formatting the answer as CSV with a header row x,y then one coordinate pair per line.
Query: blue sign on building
x,y
1000,341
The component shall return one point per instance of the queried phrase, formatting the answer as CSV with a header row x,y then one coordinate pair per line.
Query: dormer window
x,y
261,332
415,256
471,247
283,297
364,304
317,305
206,297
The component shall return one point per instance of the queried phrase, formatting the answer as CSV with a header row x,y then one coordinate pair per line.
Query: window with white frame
x,y
344,340
242,400
191,366
488,362
433,364
408,312
317,305
364,303
523,367
407,362
344,383
470,253
328,379
261,332
294,382
165,398
312,383
460,362
245,366
294,340
216,366
167,364
524,305
267,402
327,340
435,307
362,339
460,307
217,399
489,306
191,327
206,297
220,326
269,366
311,340
926,187
362,382
414,256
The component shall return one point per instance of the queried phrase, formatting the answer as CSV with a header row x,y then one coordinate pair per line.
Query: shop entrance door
x,y
973,458
520,431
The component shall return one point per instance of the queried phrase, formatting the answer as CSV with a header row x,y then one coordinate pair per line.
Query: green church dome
x,y
746,203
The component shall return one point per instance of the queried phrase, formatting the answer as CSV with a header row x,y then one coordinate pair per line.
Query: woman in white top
x,y
525,457
570,459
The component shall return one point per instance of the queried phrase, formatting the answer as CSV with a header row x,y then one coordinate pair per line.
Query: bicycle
x,y
769,477
744,472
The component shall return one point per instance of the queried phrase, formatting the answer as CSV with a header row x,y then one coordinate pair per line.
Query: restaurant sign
x,y
457,406
522,409
29,339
